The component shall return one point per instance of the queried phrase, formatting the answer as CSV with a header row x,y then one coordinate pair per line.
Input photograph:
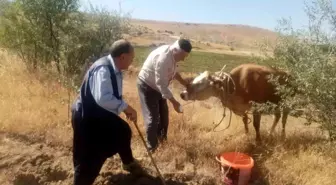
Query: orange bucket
x,y
235,167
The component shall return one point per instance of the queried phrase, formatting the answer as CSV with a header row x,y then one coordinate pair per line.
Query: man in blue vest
x,y
99,132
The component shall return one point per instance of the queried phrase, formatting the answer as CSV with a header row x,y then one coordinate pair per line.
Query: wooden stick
x,y
149,153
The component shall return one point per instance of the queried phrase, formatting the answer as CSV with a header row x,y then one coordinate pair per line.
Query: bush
x,y
36,29
97,30
308,55
43,32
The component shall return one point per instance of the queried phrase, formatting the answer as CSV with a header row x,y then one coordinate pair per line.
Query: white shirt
x,y
102,91
159,69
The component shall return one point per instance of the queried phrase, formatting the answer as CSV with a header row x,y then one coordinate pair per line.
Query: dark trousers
x,y
155,113
94,142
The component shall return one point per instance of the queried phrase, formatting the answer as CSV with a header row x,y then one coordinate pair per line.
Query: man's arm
x,y
162,81
179,78
102,91
161,77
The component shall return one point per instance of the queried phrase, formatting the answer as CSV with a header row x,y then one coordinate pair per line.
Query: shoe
x,y
163,140
135,168
152,150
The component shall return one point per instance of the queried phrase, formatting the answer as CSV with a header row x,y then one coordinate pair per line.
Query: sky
x,y
259,13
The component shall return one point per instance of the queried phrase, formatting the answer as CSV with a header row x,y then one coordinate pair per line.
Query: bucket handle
x,y
218,160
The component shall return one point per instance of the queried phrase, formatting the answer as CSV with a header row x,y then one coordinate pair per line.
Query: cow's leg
x,y
285,114
245,120
256,124
276,118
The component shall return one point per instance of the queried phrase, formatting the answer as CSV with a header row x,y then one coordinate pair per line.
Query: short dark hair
x,y
120,47
185,45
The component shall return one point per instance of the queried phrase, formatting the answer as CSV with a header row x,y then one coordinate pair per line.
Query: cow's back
x,y
252,82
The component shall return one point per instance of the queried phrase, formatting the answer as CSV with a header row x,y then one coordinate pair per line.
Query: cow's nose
x,y
184,95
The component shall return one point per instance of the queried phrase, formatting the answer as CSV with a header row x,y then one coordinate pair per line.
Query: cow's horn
x,y
223,68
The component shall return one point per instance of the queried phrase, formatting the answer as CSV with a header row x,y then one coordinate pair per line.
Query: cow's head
x,y
199,88
206,85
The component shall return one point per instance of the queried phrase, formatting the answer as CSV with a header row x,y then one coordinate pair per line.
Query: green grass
x,y
199,61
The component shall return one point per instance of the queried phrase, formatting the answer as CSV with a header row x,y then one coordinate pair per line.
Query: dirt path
x,y
27,162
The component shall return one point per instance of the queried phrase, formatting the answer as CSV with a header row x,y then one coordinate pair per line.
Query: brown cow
x,y
245,83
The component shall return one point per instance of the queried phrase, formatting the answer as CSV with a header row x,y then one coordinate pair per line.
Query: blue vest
x,y
85,103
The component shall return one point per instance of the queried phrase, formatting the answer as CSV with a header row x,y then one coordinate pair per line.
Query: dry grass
x,y
33,105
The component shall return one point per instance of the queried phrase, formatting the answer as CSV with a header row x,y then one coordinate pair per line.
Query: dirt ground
x,y
27,162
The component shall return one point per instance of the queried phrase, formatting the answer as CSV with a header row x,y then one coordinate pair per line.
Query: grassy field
x,y
198,60
36,136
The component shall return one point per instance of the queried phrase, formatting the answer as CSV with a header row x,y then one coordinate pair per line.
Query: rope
x,y
183,121
222,76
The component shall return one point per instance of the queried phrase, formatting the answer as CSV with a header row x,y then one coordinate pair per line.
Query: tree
x,y
44,32
36,29
309,56
4,5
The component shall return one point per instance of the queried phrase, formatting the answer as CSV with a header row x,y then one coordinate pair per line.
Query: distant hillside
x,y
206,36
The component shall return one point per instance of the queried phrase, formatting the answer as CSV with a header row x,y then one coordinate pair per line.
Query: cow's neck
x,y
223,96
235,103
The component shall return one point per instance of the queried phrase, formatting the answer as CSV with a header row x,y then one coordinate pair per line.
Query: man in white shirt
x,y
153,80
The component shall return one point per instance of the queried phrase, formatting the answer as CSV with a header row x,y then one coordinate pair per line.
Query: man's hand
x,y
176,105
184,82
131,114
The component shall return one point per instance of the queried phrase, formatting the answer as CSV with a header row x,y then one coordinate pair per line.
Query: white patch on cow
x,y
201,78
